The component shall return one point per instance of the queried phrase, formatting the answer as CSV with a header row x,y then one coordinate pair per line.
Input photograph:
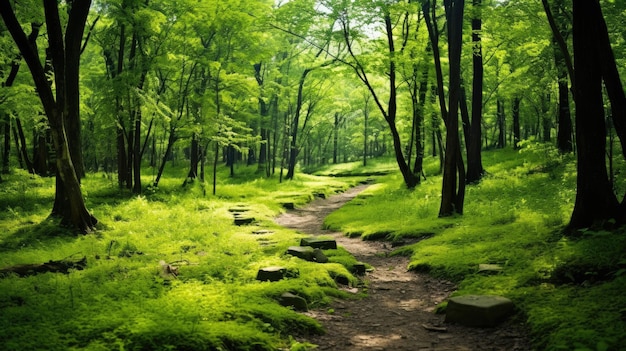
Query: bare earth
x,y
398,312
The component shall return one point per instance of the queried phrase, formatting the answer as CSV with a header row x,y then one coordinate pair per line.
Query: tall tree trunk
x,y
516,123
6,149
293,146
335,137
475,170
22,149
595,200
69,203
453,188
501,125
366,117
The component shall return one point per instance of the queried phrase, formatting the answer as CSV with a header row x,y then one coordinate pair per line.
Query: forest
x,y
147,148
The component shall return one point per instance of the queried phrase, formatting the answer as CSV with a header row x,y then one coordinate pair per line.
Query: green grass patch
x,y
569,291
127,298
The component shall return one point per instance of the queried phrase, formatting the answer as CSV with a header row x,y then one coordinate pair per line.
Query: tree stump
x,y
478,310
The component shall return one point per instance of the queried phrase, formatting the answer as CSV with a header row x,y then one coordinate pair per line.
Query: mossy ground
x,y
123,300
570,290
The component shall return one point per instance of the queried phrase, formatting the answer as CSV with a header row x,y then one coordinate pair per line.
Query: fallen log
x,y
61,266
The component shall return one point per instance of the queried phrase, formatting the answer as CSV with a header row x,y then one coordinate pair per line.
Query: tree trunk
x,y
595,200
453,188
516,124
366,116
335,137
69,202
475,169
501,125
293,147
22,149
7,145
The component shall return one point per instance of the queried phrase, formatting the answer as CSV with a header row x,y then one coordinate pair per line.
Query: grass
x,y
125,300
569,291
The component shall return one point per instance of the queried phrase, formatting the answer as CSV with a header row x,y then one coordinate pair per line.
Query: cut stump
x,y
478,310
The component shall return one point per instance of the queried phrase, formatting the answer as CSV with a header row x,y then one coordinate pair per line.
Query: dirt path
x,y
399,304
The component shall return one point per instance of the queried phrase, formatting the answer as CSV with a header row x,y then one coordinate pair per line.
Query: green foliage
x,y
570,290
168,270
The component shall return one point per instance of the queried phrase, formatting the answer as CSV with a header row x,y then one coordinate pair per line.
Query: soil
x,y
398,312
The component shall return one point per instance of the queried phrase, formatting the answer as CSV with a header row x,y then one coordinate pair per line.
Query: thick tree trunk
x,y
595,200
453,188
475,170
69,201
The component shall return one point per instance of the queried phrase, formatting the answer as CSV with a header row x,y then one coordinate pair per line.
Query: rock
x,y
319,256
359,268
241,220
320,195
341,279
478,310
262,231
238,209
272,274
488,269
319,243
304,252
288,205
290,300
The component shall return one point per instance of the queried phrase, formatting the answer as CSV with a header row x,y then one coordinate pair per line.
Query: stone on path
x,y
304,252
359,268
298,303
319,243
242,220
319,256
478,310
307,253
272,274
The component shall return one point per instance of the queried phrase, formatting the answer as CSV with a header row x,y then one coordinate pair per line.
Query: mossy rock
x,y
298,303
241,220
359,268
319,243
478,310
304,252
272,274
288,205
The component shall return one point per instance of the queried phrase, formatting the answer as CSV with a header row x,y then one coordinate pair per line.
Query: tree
x,y
384,11
475,169
69,204
595,202
453,188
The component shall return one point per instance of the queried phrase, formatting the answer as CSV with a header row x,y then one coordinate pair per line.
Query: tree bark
x,y
453,188
69,202
595,200
516,123
475,170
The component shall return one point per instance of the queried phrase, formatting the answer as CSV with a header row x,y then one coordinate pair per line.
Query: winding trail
x,y
398,312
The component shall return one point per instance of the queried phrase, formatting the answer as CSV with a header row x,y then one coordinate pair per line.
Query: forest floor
x,y
398,311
